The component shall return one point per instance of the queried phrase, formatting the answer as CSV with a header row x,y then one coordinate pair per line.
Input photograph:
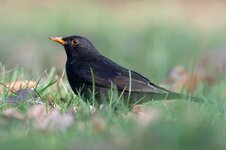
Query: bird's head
x,y
76,46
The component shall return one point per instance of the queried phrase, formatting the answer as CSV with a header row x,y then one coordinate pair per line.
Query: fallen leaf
x,y
192,83
51,121
136,109
99,123
211,80
180,79
144,116
58,121
18,85
13,113
177,78
176,74
37,111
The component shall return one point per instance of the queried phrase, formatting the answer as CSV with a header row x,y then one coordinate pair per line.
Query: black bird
x,y
87,71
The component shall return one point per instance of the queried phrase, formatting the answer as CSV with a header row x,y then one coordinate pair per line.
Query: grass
x,y
151,44
180,125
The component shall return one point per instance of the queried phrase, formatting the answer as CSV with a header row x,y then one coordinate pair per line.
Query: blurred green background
x,y
149,37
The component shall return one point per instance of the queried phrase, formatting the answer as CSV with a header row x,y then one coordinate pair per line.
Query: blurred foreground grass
x,y
147,36
179,124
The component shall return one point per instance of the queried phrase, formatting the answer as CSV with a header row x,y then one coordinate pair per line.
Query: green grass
x,y
180,125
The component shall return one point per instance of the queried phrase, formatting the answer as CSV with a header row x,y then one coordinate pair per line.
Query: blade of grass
x,y
130,86
93,87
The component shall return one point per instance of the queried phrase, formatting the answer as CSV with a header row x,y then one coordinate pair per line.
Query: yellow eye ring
x,y
75,42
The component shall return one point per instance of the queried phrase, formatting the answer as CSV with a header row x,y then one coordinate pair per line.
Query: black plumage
x,y
86,67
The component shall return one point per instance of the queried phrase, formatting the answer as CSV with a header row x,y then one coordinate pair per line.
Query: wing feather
x,y
107,72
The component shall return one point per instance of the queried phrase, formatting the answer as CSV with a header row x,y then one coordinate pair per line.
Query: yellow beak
x,y
57,39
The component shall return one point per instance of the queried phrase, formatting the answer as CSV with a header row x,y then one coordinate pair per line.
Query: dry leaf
x,y
192,83
176,74
211,80
13,113
58,121
136,109
144,116
18,85
53,120
179,78
99,123
147,116
37,111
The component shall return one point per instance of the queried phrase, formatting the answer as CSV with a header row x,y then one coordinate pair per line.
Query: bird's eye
x,y
75,42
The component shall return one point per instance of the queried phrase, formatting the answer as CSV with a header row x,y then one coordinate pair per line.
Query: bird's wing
x,y
106,74
135,82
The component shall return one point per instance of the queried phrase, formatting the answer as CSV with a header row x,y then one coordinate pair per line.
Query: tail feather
x,y
173,95
169,95
164,96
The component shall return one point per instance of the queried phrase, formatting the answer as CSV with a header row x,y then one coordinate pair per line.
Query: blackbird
x,y
89,72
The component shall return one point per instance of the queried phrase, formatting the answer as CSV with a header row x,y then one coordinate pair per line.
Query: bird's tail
x,y
143,98
165,94
173,95
170,96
